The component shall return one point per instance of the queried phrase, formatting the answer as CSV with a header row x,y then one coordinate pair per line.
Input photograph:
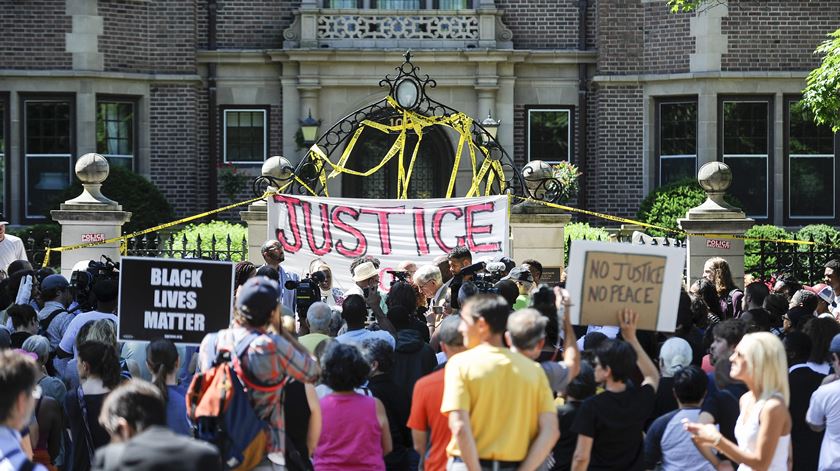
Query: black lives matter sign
x,y
180,300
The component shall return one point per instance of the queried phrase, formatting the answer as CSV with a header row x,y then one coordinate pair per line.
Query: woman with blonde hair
x,y
763,428
717,271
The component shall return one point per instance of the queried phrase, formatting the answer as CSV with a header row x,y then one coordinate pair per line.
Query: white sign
x,y
93,237
338,230
604,277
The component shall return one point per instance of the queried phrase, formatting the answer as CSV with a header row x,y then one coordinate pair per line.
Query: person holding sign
x,y
609,425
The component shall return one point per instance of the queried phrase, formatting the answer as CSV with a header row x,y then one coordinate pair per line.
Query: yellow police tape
x,y
122,239
669,229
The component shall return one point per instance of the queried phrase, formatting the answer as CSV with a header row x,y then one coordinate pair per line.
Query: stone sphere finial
x,y
92,168
715,177
536,173
277,167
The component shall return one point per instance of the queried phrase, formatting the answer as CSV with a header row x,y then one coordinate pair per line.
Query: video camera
x,y
399,277
307,291
458,280
82,281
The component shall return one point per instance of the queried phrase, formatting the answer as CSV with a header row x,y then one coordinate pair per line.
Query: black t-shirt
x,y
79,448
564,449
806,443
724,405
665,400
296,414
615,422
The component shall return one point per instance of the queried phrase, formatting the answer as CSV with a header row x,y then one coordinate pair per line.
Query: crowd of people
x,y
450,368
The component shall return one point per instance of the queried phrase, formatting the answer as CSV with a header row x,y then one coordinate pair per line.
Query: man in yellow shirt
x,y
500,406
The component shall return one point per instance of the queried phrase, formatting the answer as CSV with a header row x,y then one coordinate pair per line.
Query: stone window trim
x,y
5,146
383,4
224,111
570,110
789,218
23,100
767,217
135,125
657,129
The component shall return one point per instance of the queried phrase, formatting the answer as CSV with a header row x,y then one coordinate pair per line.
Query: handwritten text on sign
x,y
341,229
607,277
613,281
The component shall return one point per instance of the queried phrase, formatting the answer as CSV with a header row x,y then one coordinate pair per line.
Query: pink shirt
x,y
351,438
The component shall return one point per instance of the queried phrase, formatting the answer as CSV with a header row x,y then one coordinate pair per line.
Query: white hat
x,y
364,271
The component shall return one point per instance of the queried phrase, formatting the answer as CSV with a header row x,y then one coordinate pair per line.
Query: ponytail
x,y
161,358
103,362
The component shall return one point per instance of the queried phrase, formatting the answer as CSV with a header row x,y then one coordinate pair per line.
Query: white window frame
x,y
569,133
133,125
224,134
27,156
724,155
659,135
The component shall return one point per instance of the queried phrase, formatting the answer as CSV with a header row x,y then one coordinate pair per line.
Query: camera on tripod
x,y
399,277
82,280
307,291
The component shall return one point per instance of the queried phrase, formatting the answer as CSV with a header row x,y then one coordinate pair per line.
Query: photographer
x,y
522,277
366,277
428,278
106,293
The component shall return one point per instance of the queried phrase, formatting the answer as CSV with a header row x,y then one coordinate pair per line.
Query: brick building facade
x,y
635,95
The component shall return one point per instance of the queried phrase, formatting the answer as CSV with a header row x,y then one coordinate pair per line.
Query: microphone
x,y
472,269
495,267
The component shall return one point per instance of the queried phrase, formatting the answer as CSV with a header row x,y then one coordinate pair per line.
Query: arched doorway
x,y
431,169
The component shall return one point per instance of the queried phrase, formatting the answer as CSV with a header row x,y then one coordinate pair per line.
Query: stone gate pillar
x,y
256,216
715,216
90,217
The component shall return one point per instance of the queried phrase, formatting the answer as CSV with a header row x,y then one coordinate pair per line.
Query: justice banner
x,y
180,300
338,230
605,277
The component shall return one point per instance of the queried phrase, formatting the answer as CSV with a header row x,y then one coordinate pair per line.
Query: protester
x,y
270,358
103,331
51,386
99,372
54,317
134,415
524,284
823,413
777,306
609,425
355,433
535,268
11,247
354,312
330,294
429,427
18,395
24,321
302,413
395,397
831,277
459,258
430,282
404,295
106,293
581,388
726,336
318,322
706,291
804,298
753,306
413,358
674,355
242,272
821,331
666,442
786,285
495,426
759,361
273,255
163,362
803,382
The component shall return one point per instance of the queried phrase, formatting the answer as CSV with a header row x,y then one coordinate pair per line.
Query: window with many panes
x,y
48,152
549,134
810,166
115,131
245,137
676,139
746,137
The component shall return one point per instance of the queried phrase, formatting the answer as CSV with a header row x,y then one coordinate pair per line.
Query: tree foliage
x,y
822,94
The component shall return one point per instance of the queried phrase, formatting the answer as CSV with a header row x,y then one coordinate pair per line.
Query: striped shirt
x,y
269,360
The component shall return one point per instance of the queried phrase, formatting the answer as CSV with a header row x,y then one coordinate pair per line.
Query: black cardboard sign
x,y
181,300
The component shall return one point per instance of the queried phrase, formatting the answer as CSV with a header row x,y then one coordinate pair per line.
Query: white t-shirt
x,y
68,341
356,337
825,411
11,249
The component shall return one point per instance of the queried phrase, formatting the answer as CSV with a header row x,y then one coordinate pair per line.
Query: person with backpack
x,y
264,356
717,271
163,362
54,317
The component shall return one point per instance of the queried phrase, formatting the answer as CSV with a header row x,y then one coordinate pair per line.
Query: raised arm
x,y
628,320
571,354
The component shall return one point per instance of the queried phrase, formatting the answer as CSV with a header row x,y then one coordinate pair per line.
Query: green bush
x,y
40,232
820,232
664,205
221,230
582,231
752,248
146,203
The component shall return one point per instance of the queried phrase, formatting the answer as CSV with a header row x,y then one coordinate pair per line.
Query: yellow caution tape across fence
x,y
670,229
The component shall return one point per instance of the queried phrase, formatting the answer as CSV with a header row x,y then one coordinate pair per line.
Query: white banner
x,y
338,230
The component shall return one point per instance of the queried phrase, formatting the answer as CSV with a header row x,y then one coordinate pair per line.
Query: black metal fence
x,y
803,262
158,245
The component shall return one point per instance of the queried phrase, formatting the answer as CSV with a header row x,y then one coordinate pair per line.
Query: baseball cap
x,y
257,298
509,264
521,274
835,344
54,282
3,219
